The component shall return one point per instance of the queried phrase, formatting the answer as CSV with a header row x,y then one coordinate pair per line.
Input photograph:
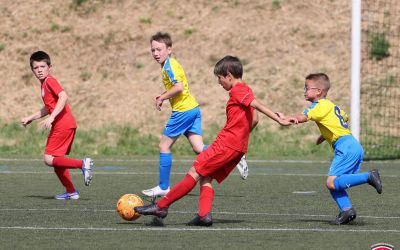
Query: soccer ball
x,y
126,205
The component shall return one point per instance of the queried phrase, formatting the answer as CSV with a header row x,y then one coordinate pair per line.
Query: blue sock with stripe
x,y
350,180
342,199
165,169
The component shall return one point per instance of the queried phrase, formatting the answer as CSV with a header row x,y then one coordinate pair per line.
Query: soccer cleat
x,y
205,221
374,180
87,171
345,217
243,168
152,209
68,196
155,191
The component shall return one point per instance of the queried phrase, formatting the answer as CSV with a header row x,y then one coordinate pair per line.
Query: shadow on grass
x,y
224,221
40,197
330,222
43,197
156,222
129,223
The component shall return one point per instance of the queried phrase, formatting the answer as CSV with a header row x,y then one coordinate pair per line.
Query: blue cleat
x,y
68,196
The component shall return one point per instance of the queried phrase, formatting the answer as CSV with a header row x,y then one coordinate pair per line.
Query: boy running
x,y
332,123
186,115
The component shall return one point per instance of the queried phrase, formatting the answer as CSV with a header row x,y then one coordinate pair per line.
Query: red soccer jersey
x,y
239,117
50,90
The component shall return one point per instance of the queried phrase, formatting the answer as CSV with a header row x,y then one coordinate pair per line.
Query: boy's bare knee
x,y
330,183
192,172
197,150
48,160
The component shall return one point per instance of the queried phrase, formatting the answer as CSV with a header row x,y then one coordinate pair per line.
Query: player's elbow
x,y
63,95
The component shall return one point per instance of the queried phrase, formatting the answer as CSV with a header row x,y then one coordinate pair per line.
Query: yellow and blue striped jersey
x,y
331,120
172,73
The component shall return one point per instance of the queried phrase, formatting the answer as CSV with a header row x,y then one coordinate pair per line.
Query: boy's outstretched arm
x,y
266,111
301,118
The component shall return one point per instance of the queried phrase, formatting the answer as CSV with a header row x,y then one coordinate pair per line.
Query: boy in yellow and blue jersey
x,y
186,116
332,123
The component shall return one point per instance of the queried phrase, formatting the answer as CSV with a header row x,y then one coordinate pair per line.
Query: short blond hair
x,y
321,79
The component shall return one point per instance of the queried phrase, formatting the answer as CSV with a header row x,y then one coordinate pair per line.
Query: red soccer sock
x,y
205,200
65,179
181,189
65,162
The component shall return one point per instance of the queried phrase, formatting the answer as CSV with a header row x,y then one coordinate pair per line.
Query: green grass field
x,y
282,205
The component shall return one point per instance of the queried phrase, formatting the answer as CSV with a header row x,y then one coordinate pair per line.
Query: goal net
x,y
380,79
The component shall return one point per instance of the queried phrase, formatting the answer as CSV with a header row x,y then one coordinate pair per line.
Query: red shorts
x,y
59,142
217,161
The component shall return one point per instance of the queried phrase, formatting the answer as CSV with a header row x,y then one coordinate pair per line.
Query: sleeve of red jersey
x,y
53,85
243,95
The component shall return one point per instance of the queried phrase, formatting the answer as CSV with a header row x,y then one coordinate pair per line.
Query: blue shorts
x,y
348,157
184,123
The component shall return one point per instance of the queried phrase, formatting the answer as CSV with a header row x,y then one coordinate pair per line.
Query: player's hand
x,y
320,140
25,121
47,123
285,122
293,120
158,101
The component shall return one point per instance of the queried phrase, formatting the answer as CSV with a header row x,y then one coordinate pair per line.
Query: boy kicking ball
x,y
221,157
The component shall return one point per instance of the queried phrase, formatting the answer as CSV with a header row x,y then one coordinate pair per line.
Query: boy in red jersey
x,y
62,127
221,157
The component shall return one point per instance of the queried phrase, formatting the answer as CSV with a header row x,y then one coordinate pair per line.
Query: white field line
x,y
241,229
192,212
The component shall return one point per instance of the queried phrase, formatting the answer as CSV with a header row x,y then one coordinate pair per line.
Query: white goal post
x,y
355,68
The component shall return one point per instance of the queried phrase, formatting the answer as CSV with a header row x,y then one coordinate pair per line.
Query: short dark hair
x,y
162,38
39,56
229,64
320,78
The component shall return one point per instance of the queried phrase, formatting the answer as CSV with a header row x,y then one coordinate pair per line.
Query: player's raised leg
x,y
243,168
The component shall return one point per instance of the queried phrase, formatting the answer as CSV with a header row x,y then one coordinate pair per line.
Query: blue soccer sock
x,y
165,169
350,180
205,146
342,199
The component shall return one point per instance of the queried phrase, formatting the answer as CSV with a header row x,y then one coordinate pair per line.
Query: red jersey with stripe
x,y
50,90
239,117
